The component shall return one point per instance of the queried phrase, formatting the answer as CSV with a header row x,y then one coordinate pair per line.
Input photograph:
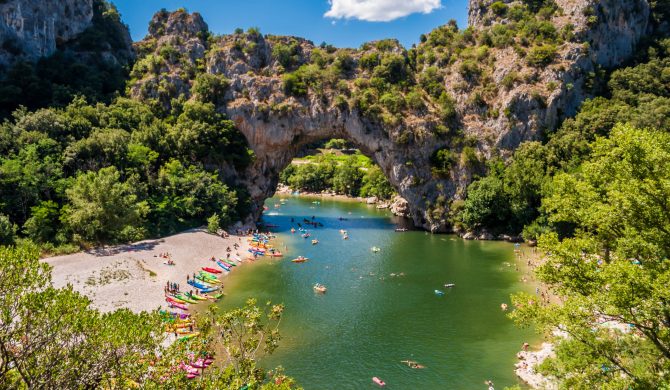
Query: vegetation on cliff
x,y
95,64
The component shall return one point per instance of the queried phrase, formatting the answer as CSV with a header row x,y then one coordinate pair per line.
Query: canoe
x,y
449,285
211,270
378,381
222,265
300,260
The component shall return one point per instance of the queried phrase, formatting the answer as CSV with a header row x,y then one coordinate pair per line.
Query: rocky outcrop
x,y
400,207
494,114
31,29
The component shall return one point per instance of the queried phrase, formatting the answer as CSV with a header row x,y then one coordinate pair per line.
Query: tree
x,y
614,270
45,332
102,209
43,222
348,177
52,338
243,334
187,196
376,184
7,231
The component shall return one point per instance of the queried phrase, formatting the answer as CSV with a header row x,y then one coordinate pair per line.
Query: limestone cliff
x,y
31,29
496,90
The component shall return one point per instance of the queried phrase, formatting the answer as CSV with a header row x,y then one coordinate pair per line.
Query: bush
x,y
499,8
441,161
213,223
294,85
541,55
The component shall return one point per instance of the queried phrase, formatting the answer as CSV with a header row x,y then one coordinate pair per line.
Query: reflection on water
x,y
381,308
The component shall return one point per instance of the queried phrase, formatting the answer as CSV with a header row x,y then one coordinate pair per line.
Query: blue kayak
x,y
208,290
197,284
222,265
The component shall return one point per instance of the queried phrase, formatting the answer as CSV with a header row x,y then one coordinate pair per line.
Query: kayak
x,y
438,292
207,280
222,265
208,289
229,262
208,275
211,270
197,297
378,381
178,305
198,285
300,260
189,336
185,298
174,299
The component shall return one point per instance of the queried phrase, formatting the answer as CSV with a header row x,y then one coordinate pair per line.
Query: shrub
x,y
441,162
499,8
541,55
294,85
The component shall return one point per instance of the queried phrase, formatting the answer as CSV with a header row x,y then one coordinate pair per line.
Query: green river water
x,y
368,321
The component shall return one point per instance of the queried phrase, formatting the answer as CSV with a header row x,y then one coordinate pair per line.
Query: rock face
x,y
277,125
31,29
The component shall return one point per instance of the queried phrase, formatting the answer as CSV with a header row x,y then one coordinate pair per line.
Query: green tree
x,y
376,184
103,209
348,177
613,270
43,222
7,231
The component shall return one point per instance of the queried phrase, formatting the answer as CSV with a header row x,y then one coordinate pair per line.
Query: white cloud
x,y
379,10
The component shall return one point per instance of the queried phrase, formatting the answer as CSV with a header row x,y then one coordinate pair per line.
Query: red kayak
x,y
212,270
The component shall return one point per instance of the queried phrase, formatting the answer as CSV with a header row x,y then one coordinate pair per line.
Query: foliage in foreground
x,y
52,338
613,274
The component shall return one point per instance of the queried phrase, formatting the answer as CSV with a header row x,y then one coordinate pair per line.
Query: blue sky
x,y
350,22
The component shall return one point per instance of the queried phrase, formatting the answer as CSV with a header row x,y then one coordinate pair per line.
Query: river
x,y
369,321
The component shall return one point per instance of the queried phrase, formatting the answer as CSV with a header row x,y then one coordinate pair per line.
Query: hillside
x,y
429,116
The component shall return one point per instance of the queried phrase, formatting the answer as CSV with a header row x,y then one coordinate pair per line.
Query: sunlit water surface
x,y
369,321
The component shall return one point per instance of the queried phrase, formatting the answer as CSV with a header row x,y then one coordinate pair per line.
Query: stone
x,y
371,200
469,236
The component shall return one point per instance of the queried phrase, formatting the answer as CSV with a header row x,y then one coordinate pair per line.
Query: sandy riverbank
x,y
133,276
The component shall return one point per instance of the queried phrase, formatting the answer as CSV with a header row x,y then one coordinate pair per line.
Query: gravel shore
x,y
133,276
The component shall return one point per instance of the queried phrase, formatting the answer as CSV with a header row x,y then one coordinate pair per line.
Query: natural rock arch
x,y
276,142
